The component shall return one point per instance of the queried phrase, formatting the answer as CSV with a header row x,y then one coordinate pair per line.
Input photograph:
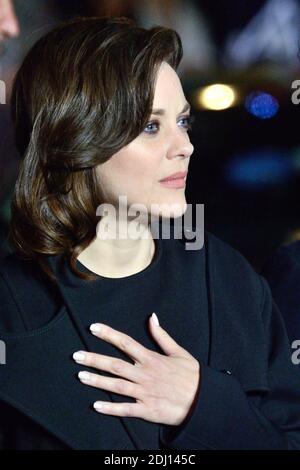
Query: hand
x,y
164,386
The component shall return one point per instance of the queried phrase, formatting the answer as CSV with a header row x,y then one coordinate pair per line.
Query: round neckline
x,y
155,260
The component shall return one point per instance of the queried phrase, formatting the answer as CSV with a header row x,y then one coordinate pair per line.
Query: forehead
x,y
168,86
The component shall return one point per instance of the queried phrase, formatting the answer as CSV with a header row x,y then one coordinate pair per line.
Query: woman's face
x,y
163,148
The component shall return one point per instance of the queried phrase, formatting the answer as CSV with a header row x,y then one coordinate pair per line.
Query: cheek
x,y
140,167
133,172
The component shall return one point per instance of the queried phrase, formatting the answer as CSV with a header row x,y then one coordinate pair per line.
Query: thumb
x,y
164,340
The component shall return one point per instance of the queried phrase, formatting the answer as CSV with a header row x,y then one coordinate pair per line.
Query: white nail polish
x,y
84,376
95,328
98,405
155,319
78,356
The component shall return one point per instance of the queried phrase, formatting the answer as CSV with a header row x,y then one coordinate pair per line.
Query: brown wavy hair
x,y
83,91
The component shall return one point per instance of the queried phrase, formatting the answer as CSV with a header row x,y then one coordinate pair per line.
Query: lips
x,y
175,176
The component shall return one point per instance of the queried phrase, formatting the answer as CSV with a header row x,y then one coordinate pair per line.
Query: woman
x,y
100,116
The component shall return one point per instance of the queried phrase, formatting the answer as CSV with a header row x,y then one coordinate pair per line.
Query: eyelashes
x,y
188,126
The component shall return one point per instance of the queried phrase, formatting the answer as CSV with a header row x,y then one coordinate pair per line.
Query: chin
x,y
169,211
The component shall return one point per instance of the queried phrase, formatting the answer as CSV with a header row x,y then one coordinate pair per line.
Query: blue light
x,y
261,104
259,169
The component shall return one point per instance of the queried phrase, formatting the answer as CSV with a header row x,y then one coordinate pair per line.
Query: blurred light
x,y
216,97
261,104
258,169
292,236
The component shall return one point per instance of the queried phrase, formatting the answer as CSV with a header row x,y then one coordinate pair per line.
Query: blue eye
x,y
188,126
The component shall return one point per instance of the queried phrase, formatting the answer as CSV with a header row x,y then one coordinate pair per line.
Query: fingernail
x,y
79,356
84,376
95,328
155,319
98,405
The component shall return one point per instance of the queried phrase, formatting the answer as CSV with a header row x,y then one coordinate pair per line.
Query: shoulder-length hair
x,y
83,91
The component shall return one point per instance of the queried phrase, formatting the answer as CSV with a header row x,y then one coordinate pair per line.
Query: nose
x,y
9,29
180,145
9,26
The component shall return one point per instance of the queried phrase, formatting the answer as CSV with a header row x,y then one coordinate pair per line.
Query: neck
x,y
120,254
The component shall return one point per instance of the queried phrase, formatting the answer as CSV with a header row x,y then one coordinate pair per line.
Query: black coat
x,y
210,301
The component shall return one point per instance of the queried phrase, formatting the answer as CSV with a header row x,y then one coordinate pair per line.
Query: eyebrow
x,y
160,111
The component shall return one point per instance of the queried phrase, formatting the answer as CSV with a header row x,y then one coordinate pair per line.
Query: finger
x,y
109,364
166,342
125,343
119,386
120,409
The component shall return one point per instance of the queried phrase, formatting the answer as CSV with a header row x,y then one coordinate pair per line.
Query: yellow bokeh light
x,y
216,97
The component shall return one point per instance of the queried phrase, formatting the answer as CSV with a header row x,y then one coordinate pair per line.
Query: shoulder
x,y
28,298
230,277
239,295
241,312
228,266
15,271
222,251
